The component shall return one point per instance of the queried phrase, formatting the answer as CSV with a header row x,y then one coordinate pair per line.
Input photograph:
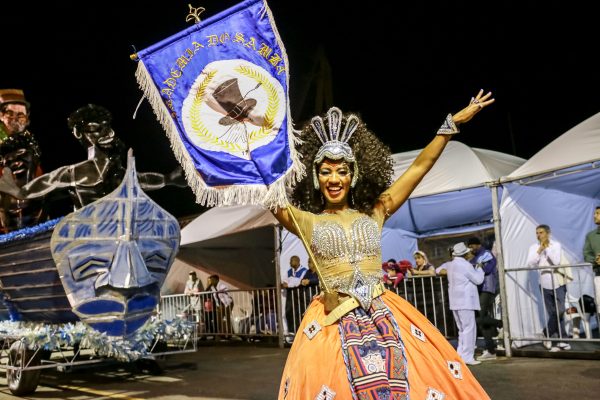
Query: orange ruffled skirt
x,y
435,370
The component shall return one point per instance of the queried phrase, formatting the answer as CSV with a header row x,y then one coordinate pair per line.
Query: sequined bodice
x,y
347,247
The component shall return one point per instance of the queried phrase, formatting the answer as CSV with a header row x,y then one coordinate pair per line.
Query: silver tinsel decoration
x,y
131,348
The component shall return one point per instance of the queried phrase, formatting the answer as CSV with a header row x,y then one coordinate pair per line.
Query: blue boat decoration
x,y
30,288
113,255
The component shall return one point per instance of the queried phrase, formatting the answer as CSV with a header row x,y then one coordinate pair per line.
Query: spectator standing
x,y
422,264
486,323
463,279
193,287
553,281
309,286
210,310
293,311
296,272
193,284
223,303
591,254
405,267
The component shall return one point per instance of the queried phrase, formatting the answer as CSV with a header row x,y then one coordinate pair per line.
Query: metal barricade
x,y
297,300
567,312
429,295
253,313
242,313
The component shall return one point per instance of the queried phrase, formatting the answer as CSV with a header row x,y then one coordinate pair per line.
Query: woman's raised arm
x,y
400,190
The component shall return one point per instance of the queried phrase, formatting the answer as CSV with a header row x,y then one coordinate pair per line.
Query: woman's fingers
x,y
482,100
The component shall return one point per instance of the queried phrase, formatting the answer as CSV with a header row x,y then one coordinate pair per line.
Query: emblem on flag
x,y
233,106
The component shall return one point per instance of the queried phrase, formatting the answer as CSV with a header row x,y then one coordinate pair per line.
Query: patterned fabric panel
x,y
374,354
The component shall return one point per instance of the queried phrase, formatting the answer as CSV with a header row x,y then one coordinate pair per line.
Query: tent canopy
x,y
459,167
236,242
579,145
223,221
453,194
559,186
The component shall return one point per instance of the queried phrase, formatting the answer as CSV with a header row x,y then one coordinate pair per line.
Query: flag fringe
x,y
272,197
298,169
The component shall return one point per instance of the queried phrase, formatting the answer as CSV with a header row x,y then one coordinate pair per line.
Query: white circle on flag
x,y
233,106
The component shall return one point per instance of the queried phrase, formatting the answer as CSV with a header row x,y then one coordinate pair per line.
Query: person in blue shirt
x,y
293,309
308,289
296,270
486,323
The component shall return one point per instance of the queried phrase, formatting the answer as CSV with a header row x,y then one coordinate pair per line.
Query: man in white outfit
x,y
553,281
224,304
193,287
463,279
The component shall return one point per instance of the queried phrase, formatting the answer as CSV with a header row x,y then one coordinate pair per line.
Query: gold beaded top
x,y
344,244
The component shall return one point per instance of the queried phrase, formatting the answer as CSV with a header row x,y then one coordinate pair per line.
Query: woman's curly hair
x,y
375,169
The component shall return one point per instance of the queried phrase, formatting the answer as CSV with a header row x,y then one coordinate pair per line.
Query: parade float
x,y
84,289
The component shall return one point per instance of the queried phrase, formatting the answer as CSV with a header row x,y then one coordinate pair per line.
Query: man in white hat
x,y
463,279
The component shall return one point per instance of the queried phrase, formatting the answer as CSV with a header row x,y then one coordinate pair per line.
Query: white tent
x,y
236,242
459,167
451,198
579,145
559,186
225,221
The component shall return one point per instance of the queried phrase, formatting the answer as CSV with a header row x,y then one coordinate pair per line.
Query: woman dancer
x,y
358,340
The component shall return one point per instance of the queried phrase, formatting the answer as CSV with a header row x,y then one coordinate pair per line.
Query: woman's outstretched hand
x,y
477,104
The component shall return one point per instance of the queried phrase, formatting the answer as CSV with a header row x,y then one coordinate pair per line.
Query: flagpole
x,y
279,310
307,247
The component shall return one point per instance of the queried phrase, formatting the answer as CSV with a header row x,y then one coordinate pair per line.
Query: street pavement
x,y
240,370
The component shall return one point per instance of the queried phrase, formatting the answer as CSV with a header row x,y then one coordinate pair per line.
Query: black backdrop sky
x,y
402,65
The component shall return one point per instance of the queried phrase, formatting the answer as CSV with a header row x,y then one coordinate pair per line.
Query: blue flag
x,y
220,90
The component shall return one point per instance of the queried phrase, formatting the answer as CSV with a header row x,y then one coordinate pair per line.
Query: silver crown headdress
x,y
335,142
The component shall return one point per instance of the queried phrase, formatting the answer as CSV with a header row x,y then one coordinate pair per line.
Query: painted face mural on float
x,y
113,256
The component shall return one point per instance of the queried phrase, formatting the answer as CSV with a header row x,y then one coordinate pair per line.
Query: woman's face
x,y
334,182
419,260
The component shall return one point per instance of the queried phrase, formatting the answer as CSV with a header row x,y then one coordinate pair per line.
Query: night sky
x,y
402,65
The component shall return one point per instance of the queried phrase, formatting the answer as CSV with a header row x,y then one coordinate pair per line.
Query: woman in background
x,y
422,264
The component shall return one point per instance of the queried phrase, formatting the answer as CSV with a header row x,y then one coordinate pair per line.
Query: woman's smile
x,y
334,182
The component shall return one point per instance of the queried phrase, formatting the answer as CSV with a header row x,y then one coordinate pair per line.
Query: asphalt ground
x,y
241,370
